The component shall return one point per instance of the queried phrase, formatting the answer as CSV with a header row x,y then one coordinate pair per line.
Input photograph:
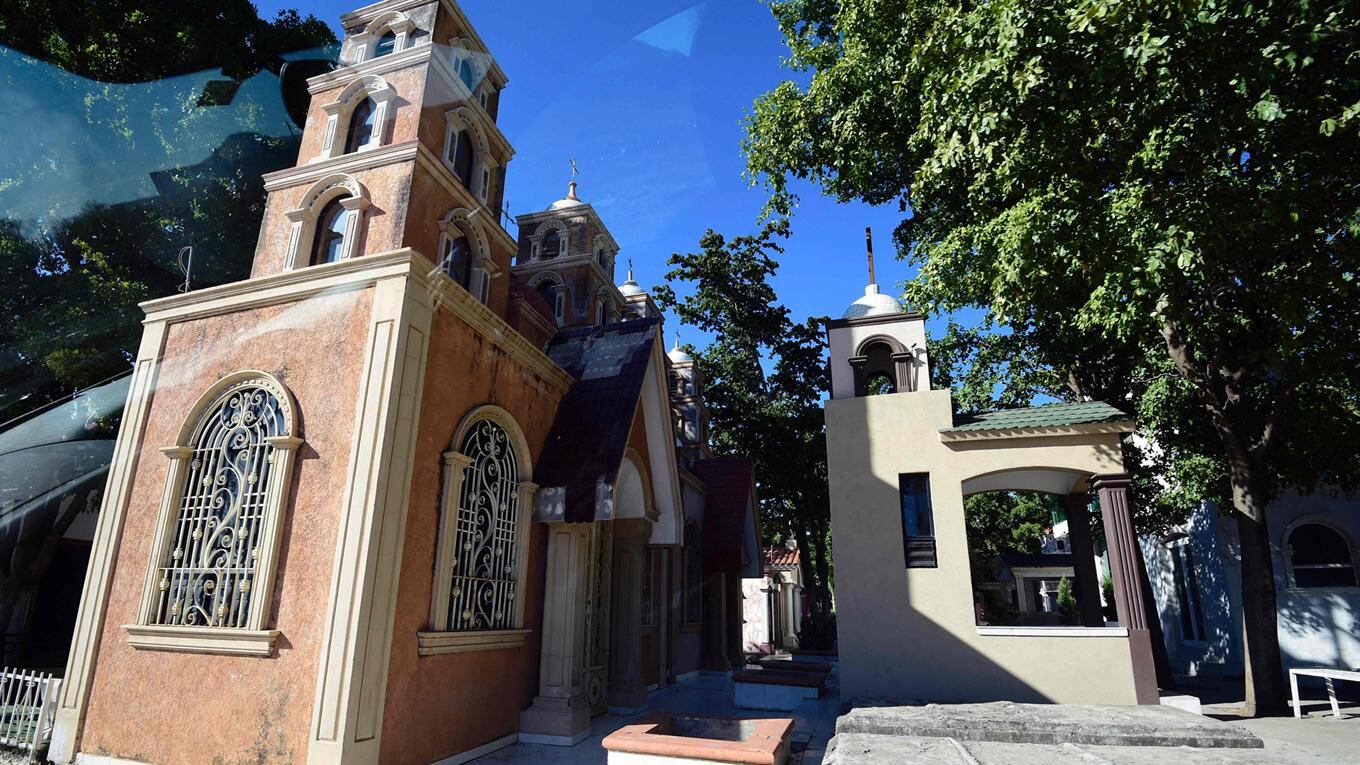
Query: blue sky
x,y
648,96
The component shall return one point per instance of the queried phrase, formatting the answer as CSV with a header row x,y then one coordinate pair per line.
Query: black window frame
x,y
918,549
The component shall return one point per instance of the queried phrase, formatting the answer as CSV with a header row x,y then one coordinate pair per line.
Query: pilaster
x,y
1121,541
354,658
627,688
560,714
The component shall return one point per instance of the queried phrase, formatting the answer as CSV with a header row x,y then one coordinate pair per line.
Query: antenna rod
x,y
869,242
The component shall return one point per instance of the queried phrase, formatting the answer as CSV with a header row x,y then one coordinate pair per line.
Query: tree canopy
x,y
1158,201
145,147
765,375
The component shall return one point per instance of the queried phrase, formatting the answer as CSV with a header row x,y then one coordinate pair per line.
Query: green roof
x,y
1051,415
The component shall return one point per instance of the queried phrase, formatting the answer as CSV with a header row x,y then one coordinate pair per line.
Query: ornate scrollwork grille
x,y
206,576
484,564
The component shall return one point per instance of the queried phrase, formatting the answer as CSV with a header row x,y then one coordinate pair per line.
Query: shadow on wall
x,y
886,643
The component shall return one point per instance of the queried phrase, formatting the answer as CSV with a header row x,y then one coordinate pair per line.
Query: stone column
x,y
627,689
560,714
1123,547
715,620
1083,559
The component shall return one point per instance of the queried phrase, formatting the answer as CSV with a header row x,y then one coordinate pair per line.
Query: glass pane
x,y
462,158
1334,576
917,517
386,44
458,260
330,233
1314,543
361,124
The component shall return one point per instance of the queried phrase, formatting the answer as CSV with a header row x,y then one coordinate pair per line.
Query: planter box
x,y
774,690
681,739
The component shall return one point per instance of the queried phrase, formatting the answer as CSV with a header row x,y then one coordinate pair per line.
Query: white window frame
x,y
438,639
254,638
339,111
366,42
354,198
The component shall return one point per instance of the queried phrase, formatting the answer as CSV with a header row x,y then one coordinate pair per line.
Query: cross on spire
x,y
869,242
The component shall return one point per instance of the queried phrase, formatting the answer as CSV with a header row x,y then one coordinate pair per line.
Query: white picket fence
x,y
28,701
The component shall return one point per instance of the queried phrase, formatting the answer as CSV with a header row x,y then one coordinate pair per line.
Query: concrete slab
x,y
870,749
1005,722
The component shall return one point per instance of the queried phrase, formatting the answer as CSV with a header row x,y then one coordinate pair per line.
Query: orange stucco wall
x,y
442,705
176,708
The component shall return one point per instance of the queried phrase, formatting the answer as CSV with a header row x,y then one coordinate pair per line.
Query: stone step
x,y
869,749
1007,722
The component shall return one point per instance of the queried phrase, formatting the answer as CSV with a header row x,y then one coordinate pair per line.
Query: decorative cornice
x,y
367,13
354,274
528,270
1045,431
344,75
870,320
436,167
345,163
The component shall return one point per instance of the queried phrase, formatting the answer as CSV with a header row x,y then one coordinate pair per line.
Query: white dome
x,y
630,288
873,303
678,356
569,201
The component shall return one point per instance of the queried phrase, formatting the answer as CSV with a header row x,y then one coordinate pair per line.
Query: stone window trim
x,y
463,49
338,114
903,362
536,240
438,639
463,222
1287,552
353,196
255,638
484,163
366,41
563,293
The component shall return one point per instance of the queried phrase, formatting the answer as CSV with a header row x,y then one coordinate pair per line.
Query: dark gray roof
x,y
581,457
1051,415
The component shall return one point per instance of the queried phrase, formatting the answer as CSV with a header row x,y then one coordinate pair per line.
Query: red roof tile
x,y
779,555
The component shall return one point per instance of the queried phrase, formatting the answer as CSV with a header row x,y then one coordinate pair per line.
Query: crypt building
x,y
419,487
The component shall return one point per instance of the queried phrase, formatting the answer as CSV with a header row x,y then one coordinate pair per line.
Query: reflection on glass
x,y
330,233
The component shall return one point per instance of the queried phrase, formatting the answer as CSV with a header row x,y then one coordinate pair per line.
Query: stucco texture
x,y
911,633
444,704
162,707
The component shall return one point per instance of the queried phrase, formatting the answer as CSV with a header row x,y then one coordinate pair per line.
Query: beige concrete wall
x,y
910,633
162,707
445,704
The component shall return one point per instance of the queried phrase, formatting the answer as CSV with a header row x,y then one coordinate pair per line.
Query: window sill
x,y
1063,632
213,640
435,643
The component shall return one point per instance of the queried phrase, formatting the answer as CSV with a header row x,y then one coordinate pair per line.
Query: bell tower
x,y
567,255
877,346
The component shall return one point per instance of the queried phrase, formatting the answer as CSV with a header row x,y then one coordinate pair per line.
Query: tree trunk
x,y
1265,684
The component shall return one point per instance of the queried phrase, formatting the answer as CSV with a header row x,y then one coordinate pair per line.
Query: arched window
x,y
880,368
1320,557
485,570
552,245
467,73
362,125
694,574
457,260
553,294
215,551
461,155
329,246
385,45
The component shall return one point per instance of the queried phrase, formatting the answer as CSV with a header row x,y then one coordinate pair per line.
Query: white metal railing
x,y
28,702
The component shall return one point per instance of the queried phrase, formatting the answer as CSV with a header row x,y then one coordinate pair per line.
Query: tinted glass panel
x,y
462,157
361,126
1317,544
330,233
458,260
386,44
918,521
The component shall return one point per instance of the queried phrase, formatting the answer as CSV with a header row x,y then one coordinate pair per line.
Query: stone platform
x,y
1051,724
870,749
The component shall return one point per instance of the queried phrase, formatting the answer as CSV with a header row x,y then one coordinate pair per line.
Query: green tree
x,y
765,377
78,253
1173,188
1067,603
